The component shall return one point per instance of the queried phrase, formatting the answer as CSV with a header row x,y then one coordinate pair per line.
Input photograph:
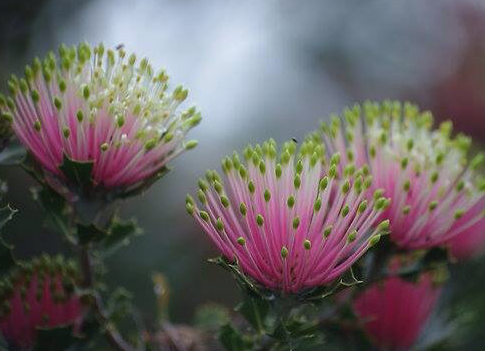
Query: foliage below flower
x,y
39,294
99,106
286,226
436,192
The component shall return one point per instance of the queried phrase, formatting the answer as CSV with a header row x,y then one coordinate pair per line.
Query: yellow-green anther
x,y
345,210
380,203
7,117
203,185
327,231
66,132
278,171
372,151
346,187
349,170
204,215
132,59
23,86
378,193
180,94
433,205
332,172
299,167
307,244
243,209
367,182
251,187
374,240
120,121
404,163
80,116
219,224
365,170
406,209
406,185
314,159
410,144
460,185
150,144
255,158
323,183
362,206
104,146
477,161
242,171
201,196
34,94
62,85
218,187
459,213
259,220
291,201
225,201
285,157
296,222
86,92
440,158
352,236
335,159
57,103
284,252
383,226
37,125
262,167
189,145
297,181
168,137
383,137
241,241
434,177
190,208
318,205
267,195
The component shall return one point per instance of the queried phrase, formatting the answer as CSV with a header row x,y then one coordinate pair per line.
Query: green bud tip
x,y
241,241
345,210
259,220
433,205
251,187
190,208
297,181
225,201
242,208
267,195
327,231
352,236
383,226
278,171
296,222
363,206
318,205
307,244
291,201
204,215
284,252
374,239
219,224
323,183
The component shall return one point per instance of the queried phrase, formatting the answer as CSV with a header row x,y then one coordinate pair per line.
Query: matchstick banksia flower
x,y
436,192
102,107
394,312
38,294
288,227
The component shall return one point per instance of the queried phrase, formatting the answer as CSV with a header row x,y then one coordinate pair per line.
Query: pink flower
x,y
436,193
99,106
469,243
288,227
38,295
394,312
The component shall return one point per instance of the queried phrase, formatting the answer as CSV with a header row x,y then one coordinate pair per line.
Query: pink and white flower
x,y
38,295
288,227
394,312
99,106
436,192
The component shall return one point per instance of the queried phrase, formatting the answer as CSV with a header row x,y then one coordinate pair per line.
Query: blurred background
x,y
256,69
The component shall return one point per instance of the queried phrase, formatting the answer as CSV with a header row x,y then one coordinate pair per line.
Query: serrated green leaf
x,y
55,339
13,154
254,309
90,233
78,173
119,234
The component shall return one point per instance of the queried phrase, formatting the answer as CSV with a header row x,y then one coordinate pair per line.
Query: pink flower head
x,y
38,295
394,312
102,107
436,193
469,243
287,226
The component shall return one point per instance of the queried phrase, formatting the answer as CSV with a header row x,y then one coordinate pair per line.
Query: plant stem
x,y
113,336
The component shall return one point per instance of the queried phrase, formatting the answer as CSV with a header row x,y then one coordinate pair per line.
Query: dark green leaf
x,y
232,340
254,309
7,260
55,339
119,234
13,154
78,173
90,233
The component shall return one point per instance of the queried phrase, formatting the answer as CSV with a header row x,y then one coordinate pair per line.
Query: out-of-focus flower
x,y
436,192
102,107
5,129
39,294
287,226
469,243
394,312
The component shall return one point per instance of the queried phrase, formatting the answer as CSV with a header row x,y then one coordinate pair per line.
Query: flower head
x,y
394,312
468,243
39,294
288,227
436,192
5,129
102,107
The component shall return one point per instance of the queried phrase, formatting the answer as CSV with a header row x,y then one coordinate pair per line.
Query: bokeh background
x,y
256,69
